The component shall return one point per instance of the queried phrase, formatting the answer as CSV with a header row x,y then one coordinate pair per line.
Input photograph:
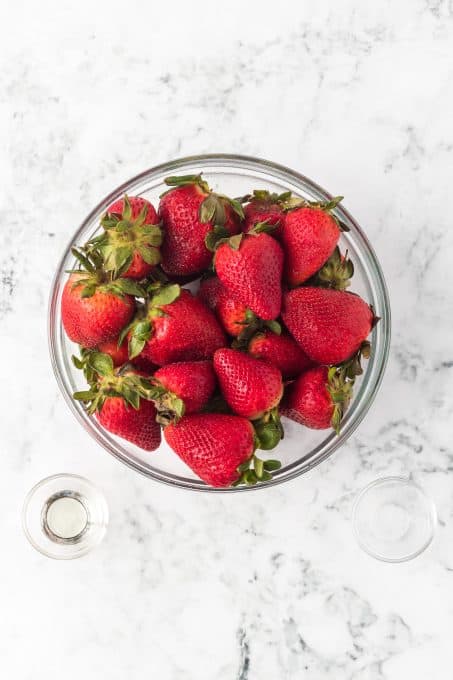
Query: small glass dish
x,y
301,449
393,519
64,516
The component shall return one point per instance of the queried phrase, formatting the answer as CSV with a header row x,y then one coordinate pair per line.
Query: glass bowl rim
x,y
430,505
280,172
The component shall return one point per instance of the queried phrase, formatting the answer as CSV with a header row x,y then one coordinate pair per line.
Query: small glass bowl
x,y
393,519
301,449
64,516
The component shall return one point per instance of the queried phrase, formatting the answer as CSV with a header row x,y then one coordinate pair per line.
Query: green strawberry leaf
x,y
78,363
237,207
85,395
235,241
271,465
88,290
83,259
135,346
214,236
166,295
150,255
101,363
128,287
258,467
130,395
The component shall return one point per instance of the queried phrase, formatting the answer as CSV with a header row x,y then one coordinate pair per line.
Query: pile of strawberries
x,y
270,330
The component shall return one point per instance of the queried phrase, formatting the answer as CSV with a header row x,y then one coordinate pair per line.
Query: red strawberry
x,y
329,325
318,398
136,425
213,445
120,403
210,291
189,212
309,236
250,386
250,267
176,326
265,207
192,381
231,313
280,350
94,309
119,354
131,240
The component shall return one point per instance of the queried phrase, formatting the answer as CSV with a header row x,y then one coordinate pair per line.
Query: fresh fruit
x,y
318,398
120,402
191,213
280,350
251,387
264,206
175,326
235,317
329,325
219,448
131,238
119,353
309,236
192,381
95,308
250,267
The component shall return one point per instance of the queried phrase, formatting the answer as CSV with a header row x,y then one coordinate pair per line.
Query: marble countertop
x,y
358,96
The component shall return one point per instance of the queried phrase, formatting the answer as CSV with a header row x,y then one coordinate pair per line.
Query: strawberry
x,y
231,313
251,387
95,308
318,398
280,350
219,448
250,267
118,353
265,207
210,291
131,238
309,235
213,445
121,402
191,381
235,317
174,326
329,325
192,214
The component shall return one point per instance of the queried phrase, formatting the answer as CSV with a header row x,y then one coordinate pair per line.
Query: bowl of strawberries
x,y
219,323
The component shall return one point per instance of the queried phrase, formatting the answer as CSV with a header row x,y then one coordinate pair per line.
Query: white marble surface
x,y
258,586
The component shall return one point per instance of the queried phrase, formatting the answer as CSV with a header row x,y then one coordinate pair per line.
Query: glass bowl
x,y
233,175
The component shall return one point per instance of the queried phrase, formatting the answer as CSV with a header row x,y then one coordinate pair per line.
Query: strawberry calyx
x,y
251,327
170,408
140,330
255,470
186,180
265,196
336,272
124,235
269,430
92,276
353,366
340,387
104,382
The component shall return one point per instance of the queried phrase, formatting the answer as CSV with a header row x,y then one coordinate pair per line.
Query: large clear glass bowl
x,y
301,449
